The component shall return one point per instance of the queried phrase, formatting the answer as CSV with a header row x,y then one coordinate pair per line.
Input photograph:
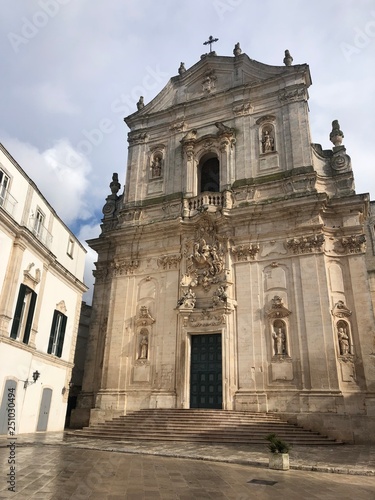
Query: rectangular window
x,y
24,313
4,186
56,338
38,223
70,247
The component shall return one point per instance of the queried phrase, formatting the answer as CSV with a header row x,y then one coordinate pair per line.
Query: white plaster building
x,y
232,271
41,273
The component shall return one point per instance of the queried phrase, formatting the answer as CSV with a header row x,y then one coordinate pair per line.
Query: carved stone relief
x,y
188,300
101,273
298,94
137,138
178,126
29,279
206,251
123,267
242,109
209,81
306,244
273,246
223,141
354,244
206,318
205,279
144,318
340,310
61,307
278,309
245,252
134,215
169,261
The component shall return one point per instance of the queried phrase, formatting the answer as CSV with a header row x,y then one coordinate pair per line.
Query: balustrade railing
x,y
205,200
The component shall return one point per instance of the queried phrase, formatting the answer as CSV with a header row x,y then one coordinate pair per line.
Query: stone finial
x,y
140,103
181,69
288,59
237,50
336,136
115,185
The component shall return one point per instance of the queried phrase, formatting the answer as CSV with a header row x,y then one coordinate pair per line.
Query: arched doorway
x,y
209,174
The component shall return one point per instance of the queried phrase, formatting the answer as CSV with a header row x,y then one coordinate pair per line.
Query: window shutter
x,y
30,316
52,334
60,342
18,311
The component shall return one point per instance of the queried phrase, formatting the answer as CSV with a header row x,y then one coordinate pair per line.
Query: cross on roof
x,y
210,41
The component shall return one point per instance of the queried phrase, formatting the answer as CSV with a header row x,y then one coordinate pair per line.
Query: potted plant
x,y
279,456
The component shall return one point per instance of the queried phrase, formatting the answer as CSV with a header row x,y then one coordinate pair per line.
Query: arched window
x,y
209,170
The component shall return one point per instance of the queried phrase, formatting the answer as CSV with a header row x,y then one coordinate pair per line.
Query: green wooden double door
x,y
206,372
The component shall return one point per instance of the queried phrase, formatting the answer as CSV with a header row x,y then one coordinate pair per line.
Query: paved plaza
x,y
59,467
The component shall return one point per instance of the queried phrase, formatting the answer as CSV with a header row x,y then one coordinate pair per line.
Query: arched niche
x,y
336,277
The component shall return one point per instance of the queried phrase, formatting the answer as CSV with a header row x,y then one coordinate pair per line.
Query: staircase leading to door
x,y
205,426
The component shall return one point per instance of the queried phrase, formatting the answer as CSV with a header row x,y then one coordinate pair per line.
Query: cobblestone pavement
x,y
56,466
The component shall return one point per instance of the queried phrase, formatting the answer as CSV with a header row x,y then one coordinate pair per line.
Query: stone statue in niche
x,y
268,143
143,347
156,166
343,339
279,341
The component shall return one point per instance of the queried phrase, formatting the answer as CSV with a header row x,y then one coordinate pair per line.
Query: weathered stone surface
x,y
232,223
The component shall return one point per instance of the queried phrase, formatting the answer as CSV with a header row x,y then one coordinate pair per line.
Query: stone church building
x,y
236,270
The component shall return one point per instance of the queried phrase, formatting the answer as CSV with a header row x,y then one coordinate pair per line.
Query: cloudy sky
x,y
72,69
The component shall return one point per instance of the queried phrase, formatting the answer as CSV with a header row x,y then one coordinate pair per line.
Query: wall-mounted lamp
x,y
36,375
64,389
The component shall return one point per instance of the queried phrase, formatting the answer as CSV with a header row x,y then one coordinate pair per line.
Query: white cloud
x,y
61,174
89,231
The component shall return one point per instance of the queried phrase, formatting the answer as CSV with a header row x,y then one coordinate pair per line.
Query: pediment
x,y
214,75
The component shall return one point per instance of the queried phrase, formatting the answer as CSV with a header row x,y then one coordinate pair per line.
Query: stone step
x,y
253,439
213,426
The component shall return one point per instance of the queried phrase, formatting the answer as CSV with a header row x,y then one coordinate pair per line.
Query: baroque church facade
x,y
233,271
